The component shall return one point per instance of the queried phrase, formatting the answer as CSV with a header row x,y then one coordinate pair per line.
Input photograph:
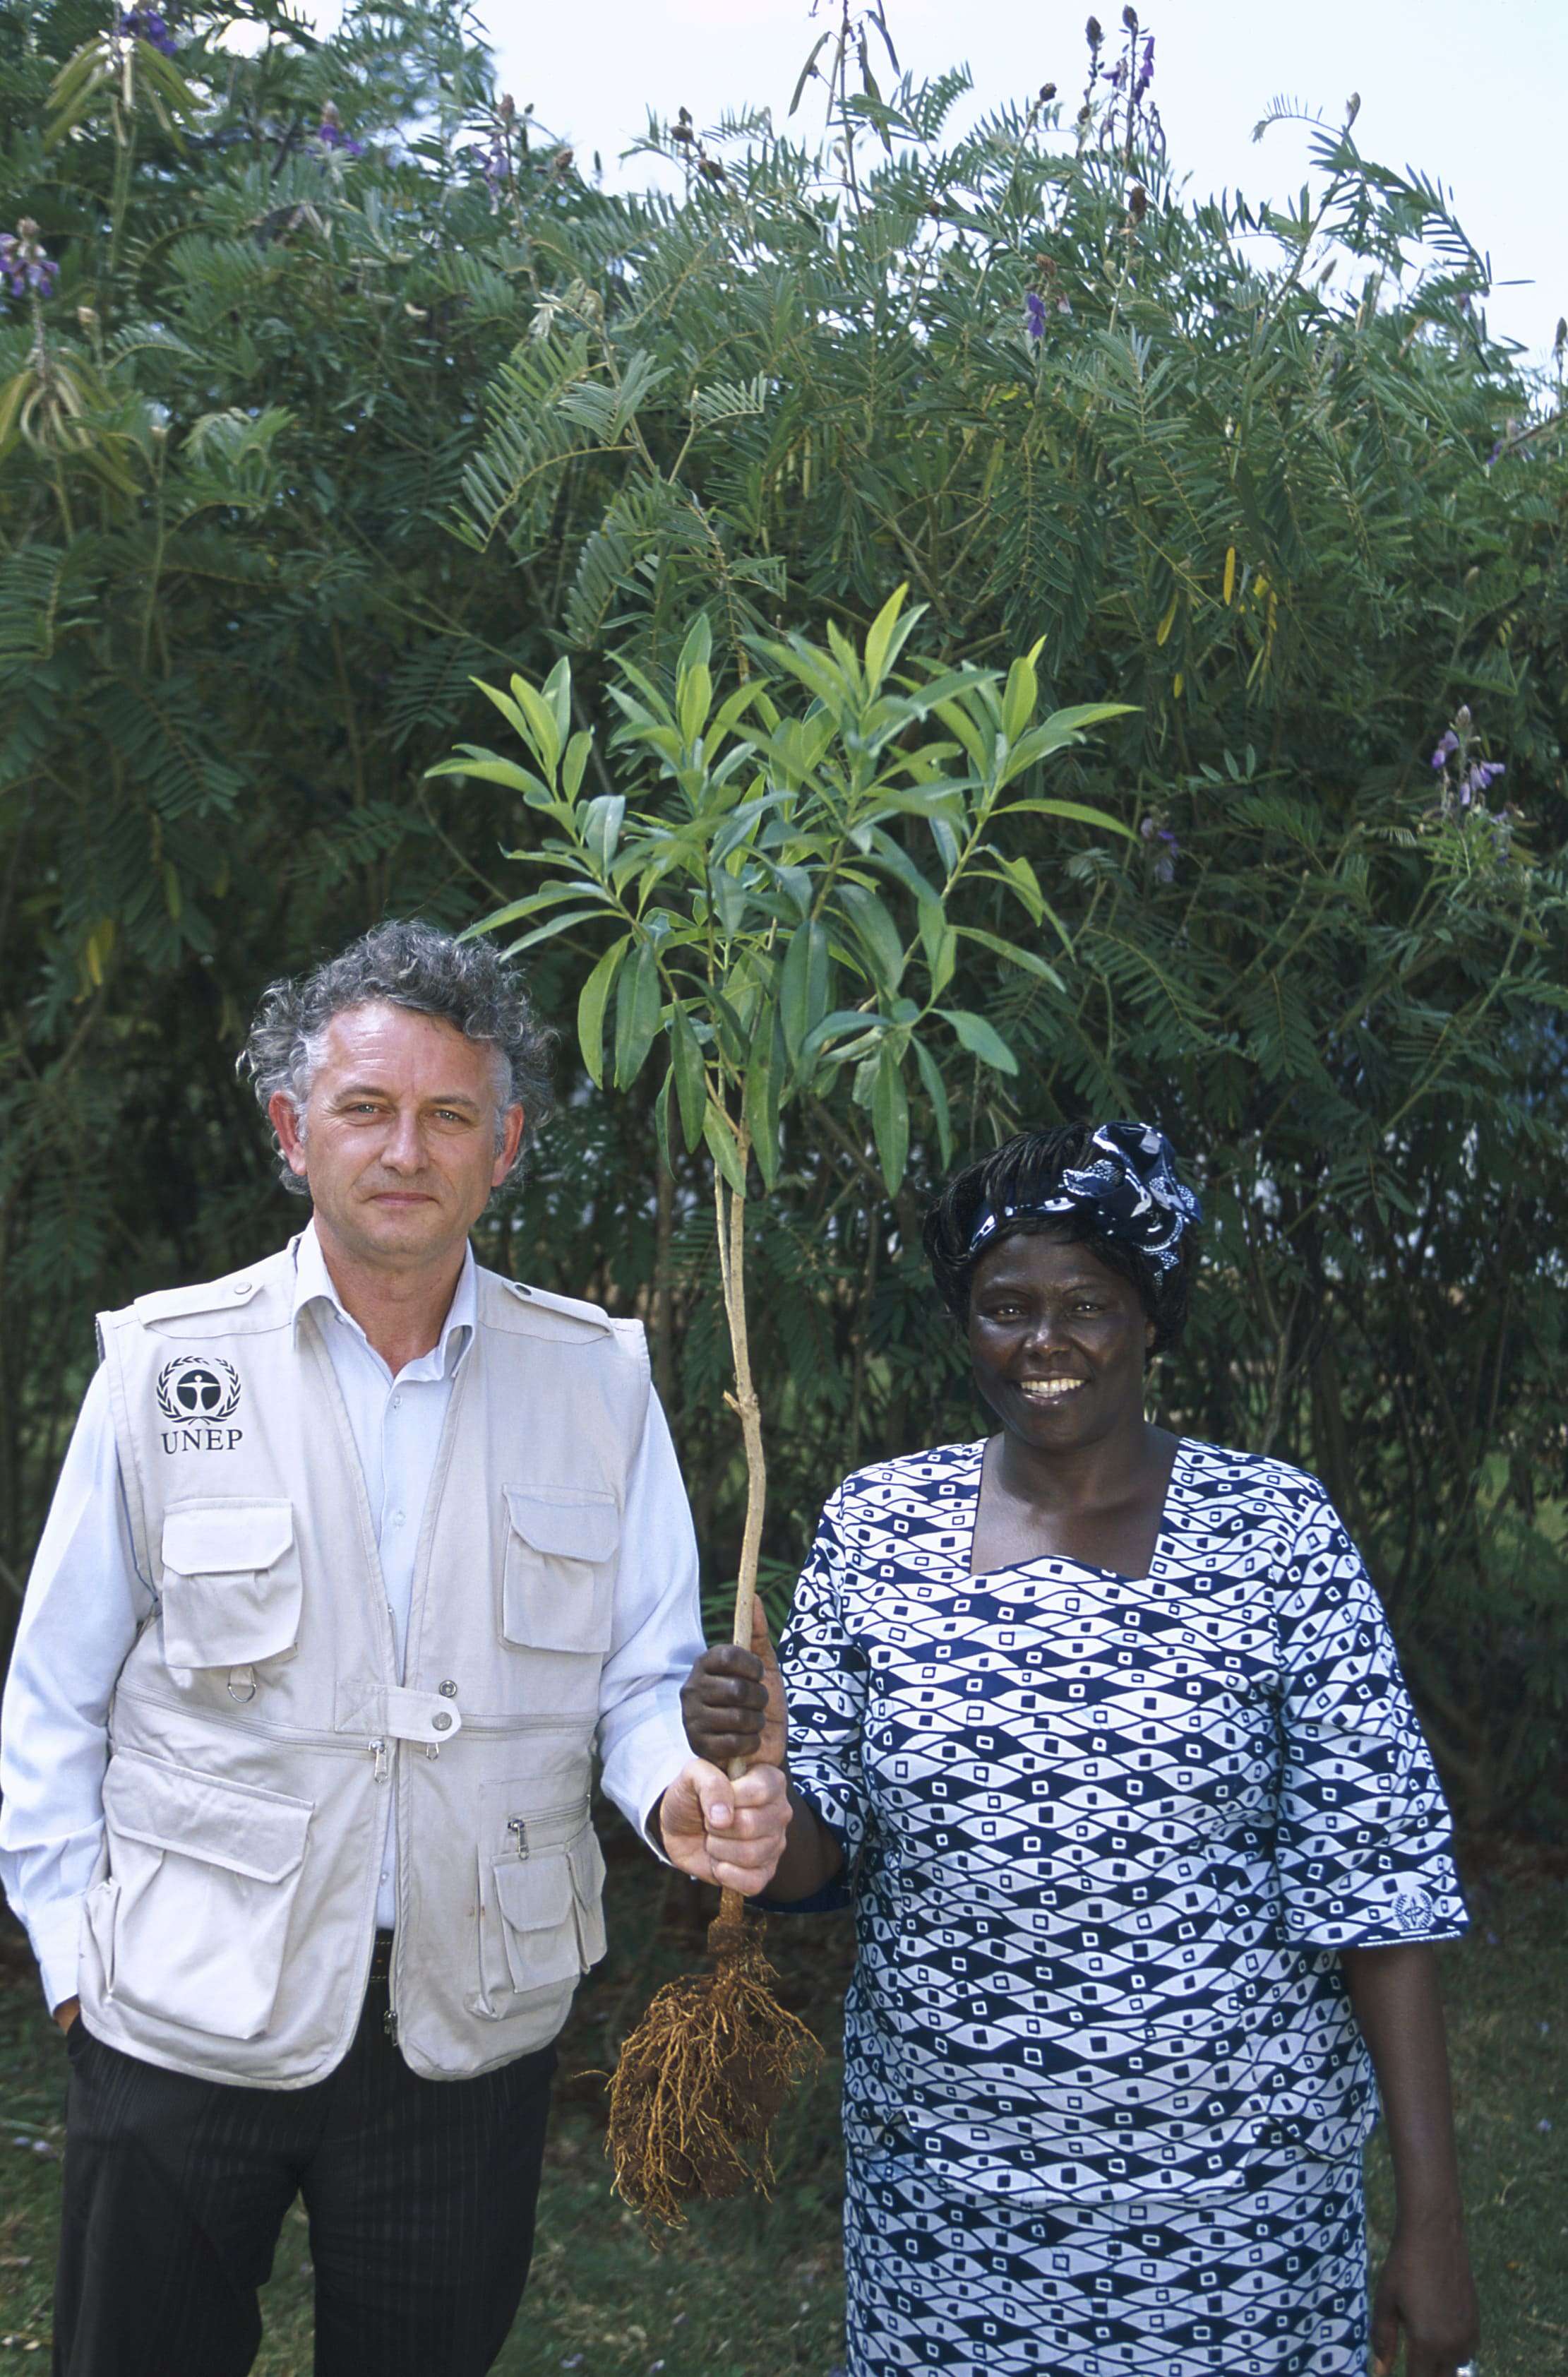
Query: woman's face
x,y
1057,1340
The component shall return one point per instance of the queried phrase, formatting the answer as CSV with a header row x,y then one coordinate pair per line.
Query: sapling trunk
x,y
714,2059
732,1211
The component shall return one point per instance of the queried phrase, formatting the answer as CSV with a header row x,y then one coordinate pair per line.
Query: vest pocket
x,y
202,1877
558,1583
542,1923
232,1585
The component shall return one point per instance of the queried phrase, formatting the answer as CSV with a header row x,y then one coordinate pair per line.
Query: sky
x,y
1470,91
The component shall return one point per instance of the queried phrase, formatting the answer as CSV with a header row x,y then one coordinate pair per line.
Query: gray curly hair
x,y
409,965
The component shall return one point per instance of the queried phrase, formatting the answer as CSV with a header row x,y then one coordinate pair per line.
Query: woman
x,y
1103,1733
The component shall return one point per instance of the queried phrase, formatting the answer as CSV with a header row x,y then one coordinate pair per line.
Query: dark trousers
x,y
420,2197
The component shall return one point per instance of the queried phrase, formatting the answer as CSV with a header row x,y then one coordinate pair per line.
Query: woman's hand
x,y
1425,2290
732,1701
728,1833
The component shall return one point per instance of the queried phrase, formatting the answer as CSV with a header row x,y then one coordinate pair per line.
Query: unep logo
x,y
198,1387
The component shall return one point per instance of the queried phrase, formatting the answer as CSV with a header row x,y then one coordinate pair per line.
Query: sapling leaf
x,y
689,1074
887,635
557,691
661,1117
538,722
1025,959
760,1103
547,932
602,826
1020,699
803,986
1075,810
574,764
550,896
491,770
890,1117
637,1008
980,1039
721,1146
592,1003
936,1091
876,932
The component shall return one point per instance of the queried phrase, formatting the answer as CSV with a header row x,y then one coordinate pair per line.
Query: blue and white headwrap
x,y
1129,1191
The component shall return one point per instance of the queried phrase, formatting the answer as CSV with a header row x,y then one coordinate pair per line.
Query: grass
x,y
754,2289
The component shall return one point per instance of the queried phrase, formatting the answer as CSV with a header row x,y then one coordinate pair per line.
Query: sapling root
x,y
702,2078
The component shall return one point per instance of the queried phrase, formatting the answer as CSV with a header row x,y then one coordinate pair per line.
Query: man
x,y
355,1560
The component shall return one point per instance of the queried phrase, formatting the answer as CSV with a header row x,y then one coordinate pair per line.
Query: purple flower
x,y
1034,316
1480,777
1146,71
25,271
1165,849
1445,749
331,135
147,25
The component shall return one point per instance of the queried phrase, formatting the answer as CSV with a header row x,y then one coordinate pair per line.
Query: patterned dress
x,y
1104,2094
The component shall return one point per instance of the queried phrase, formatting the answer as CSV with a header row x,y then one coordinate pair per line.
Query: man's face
x,y
397,1136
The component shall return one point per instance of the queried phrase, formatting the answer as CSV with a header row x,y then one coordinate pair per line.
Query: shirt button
x,y
397,1402
397,1518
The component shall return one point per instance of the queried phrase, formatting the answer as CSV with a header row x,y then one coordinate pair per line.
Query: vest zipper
x,y
383,1763
581,1722
301,1735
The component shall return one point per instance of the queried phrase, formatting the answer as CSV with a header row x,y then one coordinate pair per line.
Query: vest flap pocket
x,y
534,1892
204,1874
565,1526
559,1580
539,1921
231,1583
216,1538
245,1831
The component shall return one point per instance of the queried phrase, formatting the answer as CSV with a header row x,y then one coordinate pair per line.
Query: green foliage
x,y
306,442
767,923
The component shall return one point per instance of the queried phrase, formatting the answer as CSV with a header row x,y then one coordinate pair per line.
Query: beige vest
x,y
259,1723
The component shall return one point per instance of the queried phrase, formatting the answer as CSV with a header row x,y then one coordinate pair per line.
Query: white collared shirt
x,y
396,1424
86,1601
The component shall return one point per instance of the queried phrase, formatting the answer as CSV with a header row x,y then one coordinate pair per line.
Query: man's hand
x,y
67,2011
728,1833
732,1702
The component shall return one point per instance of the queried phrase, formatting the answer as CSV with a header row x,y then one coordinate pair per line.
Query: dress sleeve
x,y
824,1686
1362,1846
